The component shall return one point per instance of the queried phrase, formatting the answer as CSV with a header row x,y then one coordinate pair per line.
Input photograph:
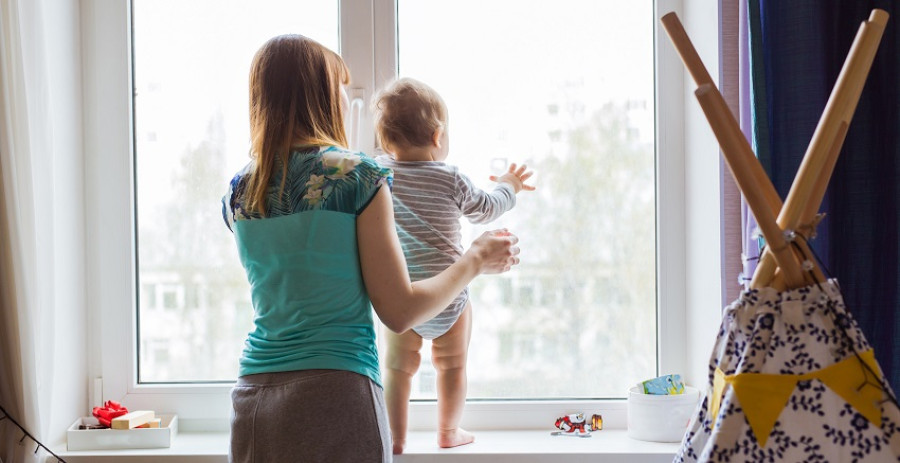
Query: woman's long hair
x,y
295,100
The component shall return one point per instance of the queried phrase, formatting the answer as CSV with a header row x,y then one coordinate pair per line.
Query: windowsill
x,y
490,446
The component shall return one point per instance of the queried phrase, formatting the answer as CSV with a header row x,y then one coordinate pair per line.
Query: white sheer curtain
x,y
42,345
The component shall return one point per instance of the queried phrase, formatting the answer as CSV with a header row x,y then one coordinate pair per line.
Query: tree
x,y
189,247
590,296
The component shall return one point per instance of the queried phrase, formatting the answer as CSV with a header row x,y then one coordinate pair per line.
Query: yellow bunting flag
x,y
764,396
716,400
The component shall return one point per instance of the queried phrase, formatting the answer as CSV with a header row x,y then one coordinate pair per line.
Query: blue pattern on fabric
x,y
318,178
791,332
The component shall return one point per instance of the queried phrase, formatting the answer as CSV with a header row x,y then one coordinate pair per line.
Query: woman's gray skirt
x,y
308,416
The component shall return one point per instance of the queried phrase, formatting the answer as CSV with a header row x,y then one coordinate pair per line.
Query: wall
x,y
67,385
703,294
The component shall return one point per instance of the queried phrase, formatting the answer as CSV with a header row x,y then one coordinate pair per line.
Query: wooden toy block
x,y
133,419
154,423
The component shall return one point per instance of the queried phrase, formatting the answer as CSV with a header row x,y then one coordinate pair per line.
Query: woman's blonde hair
x,y
295,100
407,114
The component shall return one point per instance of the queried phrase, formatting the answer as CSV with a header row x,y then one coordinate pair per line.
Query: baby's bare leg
x,y
448,353
403,360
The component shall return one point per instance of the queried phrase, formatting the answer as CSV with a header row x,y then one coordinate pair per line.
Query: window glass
x,y
567,88
191,129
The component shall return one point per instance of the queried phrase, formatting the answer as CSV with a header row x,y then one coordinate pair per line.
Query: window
x,y
191,132
567,88
535,88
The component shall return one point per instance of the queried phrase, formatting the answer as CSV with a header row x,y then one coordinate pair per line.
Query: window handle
x,y
357,104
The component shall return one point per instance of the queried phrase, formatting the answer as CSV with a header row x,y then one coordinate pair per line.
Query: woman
x,y
315,233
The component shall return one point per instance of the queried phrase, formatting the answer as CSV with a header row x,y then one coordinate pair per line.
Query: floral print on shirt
x,y
318,178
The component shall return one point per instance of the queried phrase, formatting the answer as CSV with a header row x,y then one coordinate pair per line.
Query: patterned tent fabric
x,y
787,383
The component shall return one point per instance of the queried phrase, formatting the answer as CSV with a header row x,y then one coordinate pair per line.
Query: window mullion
x,y
385,43
109,246
357,34
670,179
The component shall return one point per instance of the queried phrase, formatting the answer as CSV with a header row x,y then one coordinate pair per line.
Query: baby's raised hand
x,y
516,177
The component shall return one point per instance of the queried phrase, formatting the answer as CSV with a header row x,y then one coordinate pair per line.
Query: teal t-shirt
x,y
311,306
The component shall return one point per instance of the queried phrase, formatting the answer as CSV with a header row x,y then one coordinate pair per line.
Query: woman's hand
x,y
516,177
495,251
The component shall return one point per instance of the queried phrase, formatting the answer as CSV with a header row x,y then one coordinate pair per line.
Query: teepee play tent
x,y
791,376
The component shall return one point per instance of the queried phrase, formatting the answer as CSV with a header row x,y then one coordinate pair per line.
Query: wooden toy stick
x,y
741,161
685,49
826,138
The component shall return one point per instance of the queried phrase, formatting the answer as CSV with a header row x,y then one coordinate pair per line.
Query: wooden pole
x,y
741,161
685,49
695,67
826,138
806,227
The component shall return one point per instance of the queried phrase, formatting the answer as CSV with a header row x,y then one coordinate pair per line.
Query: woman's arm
x,y
400,304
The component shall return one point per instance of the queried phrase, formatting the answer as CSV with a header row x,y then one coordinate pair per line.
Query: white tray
x,y
102,439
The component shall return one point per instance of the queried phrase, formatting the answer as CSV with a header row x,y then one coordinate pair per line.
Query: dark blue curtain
x,y
797,50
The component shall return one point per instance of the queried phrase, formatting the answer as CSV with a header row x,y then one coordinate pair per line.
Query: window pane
x,y
566,87
191,66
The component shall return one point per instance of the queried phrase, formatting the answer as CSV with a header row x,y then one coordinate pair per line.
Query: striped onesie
x,y
429,199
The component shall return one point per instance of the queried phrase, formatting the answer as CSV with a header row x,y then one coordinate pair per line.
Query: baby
x,y
429,198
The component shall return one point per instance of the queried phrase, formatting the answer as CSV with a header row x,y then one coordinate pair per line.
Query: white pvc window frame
x,y
369,45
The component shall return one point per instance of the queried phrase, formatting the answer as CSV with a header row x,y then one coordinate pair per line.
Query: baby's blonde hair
x,y
407,114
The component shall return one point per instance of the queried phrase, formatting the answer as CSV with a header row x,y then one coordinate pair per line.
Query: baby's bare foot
x,y
398,446
454,438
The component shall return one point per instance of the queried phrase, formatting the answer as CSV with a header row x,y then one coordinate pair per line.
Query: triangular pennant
x,y
716,400
860,388
762,397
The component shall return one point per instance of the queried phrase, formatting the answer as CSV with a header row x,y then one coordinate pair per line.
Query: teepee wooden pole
x,y
741,161
807,225
818,193
685,49
755,173
813,175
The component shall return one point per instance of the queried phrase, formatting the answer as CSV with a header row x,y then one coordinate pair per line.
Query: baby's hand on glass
x,y
496,251
516,177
